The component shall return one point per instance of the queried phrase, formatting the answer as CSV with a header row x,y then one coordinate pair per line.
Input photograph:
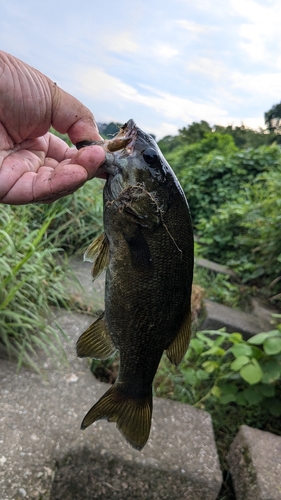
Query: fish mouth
x,y
120,147
125,139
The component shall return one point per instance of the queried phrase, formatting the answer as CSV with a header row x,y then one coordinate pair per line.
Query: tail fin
x,y
132,416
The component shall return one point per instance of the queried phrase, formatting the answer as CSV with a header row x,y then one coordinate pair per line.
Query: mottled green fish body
x,y
147,251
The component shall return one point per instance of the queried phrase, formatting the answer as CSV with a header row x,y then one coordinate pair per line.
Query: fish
x,y
147,251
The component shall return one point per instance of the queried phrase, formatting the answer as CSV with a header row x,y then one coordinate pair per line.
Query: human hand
x,y
35,165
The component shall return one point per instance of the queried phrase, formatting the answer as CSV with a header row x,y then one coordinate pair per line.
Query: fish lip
x,y
124,140
132,132
123,143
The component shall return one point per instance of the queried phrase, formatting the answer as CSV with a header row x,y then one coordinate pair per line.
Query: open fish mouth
x,y
124,139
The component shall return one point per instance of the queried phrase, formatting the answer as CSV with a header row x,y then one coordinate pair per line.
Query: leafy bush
x,y
188,155
220,288
246,233
237,381
214,176
222,368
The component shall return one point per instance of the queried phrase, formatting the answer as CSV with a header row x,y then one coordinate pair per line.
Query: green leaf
x,y
202,375
252,396
235,337
252,372
237,364
197,345
241,350
210,366
229,388
274,407
189,376
215,351
240,399
216,391
227,398
272,346
267,390
271,371
261,337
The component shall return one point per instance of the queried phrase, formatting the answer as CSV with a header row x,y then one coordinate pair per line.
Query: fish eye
x,y
150,156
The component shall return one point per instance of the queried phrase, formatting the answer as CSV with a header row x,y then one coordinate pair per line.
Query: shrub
x,y
245,234
213,177
225,369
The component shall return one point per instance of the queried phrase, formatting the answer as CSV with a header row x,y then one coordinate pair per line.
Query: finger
x,y
72,117
66,178
46,185
15,165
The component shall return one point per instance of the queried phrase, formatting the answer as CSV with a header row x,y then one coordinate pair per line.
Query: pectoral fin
x,y
139,249
178,347
98,253
96,341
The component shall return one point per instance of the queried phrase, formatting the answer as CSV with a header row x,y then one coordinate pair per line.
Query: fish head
x,y
133,157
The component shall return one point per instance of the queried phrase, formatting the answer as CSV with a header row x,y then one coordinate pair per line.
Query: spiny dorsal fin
x,y
98,253
96,341
178,347
132,416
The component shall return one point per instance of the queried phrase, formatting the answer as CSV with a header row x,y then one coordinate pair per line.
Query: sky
x,y
163,63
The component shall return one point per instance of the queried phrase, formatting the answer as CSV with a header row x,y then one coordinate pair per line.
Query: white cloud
x,y
163,129
165,51
191,26
121,42
263,84
98,82
262,26
211,68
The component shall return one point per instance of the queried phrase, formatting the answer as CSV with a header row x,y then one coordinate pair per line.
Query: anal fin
x,y
179,345
96,341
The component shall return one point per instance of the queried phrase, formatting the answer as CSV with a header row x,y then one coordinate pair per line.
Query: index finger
x,y
70,116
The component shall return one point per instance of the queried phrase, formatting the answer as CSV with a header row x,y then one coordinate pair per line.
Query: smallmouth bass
x,y
147,251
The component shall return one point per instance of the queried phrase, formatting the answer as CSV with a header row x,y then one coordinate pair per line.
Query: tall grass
x,y
35,242
78,218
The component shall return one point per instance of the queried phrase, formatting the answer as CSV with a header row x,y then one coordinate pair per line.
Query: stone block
x,y
219,316
254,459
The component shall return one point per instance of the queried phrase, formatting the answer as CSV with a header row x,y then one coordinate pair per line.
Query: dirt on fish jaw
x,y
147,251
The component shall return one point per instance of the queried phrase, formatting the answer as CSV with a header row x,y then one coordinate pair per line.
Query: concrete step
x,y
233,320
255,463
44,454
